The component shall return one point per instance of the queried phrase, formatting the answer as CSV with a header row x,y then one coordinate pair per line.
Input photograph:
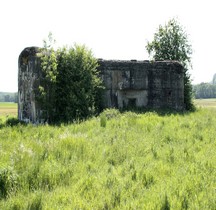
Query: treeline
x,y
204,90
8,97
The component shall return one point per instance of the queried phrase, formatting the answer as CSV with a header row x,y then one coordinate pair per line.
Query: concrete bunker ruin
x,y
158,84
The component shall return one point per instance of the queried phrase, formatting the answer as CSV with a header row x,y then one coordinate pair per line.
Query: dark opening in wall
x,y
131,102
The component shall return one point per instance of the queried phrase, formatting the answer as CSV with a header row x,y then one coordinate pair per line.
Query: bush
x,y
77,84
12,121
71,88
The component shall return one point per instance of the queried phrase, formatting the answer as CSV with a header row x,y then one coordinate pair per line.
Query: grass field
x,y
114,161
8,109
207,103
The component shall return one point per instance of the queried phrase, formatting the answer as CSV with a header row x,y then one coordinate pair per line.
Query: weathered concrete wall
x,y
127,84
143,84
29,75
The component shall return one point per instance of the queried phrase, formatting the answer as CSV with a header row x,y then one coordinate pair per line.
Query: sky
x,y
112,29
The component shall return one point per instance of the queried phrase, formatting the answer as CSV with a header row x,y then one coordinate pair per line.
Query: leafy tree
x,y
171,43
71,87
77,84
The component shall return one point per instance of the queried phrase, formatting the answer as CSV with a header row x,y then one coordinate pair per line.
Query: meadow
x,y
114,161
207,103
8,109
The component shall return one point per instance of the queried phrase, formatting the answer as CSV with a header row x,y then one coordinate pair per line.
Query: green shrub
x,y
77,84
71,87
12,121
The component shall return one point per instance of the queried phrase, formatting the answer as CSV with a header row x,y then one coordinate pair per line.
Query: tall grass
x,y
114,161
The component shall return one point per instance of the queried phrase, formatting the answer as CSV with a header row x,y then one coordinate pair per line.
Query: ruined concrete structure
x,y
132,83
29,74
143,84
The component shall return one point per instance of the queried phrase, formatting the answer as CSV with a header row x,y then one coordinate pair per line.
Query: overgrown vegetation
x,y
171,43
71,87
114,161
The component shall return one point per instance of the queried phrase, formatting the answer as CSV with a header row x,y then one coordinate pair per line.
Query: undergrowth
x,y
115,161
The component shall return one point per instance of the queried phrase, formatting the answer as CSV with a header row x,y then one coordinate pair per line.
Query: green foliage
x,y
71,88
78,84
49,59
171,43
137,161
8,182
36,203
12,121
188,93
46,93
111,113
103,120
